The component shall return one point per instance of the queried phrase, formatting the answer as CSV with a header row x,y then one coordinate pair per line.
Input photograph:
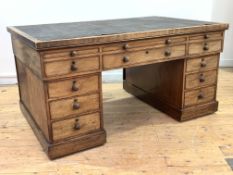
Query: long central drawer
x,y
148,55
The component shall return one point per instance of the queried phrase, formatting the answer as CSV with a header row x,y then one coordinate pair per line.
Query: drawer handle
x,y
126,46
76,104
201,78
73,66
203,64
77,125
168,41
200,96
73,53
125,59
167,53
206,36
206,47
74,86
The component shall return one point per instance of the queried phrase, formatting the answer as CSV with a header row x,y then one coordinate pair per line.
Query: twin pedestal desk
x,y
171,64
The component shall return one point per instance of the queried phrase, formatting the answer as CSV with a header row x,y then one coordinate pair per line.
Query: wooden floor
x,y
141,140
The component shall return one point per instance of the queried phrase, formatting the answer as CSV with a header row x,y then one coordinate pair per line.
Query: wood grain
x,y
63,108
84,85
198,48
194,65
137,57
201,79
65,128
204,145
59,68
191,97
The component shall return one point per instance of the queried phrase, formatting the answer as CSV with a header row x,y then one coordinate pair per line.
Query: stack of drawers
x,y
202,69
74,91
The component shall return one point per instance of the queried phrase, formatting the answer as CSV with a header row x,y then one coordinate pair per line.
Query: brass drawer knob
x,y
73,53
126,46
206,36
125,59
201,78
77,125
168,41
167,53
74,86
206,47
73,66
76,104
200,96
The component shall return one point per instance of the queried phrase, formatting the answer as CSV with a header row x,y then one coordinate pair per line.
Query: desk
x,y
171,64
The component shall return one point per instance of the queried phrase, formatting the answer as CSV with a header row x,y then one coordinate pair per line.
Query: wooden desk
x,y
171,64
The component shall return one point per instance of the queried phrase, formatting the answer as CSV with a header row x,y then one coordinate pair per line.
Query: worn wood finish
x,y
75,86
201,79
205,47
33,96
65,107
172,64
59,68
76,126
198,96
141,140
140,57
96,32
202,63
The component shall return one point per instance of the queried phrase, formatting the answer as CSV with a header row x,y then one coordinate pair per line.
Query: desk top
x,y
98,32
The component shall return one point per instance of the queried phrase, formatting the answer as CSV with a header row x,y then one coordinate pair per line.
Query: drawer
x,y
132,45
206,36
75,86
205,47
76,126
74,106
202,95
66,54
72,67
200,79
202,63
143,56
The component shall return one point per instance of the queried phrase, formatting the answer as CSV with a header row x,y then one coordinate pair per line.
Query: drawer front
x,y
143,56
201,79
202,95
206,36
202,64
73,106
159,42
66,54
75,86
205,47
76,126
69,67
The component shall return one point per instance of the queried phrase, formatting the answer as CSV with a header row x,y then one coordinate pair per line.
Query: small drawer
x,y
72,67
66,54
205,47
202,95
74,106
75,86
76,126
142,44
200,79
131,58
202,64
206,36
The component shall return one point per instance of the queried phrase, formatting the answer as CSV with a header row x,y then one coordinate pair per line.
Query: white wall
x,y
223,12
25,12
